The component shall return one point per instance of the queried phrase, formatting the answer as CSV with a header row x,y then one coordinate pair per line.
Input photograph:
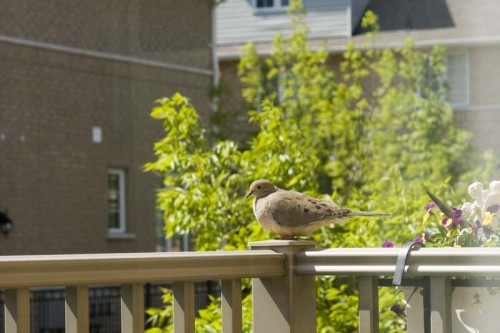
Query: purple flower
x,y
419,239
475,226
456,213
493,208
423,238
429,206
444,221
387,243
456,219
455,223
398,310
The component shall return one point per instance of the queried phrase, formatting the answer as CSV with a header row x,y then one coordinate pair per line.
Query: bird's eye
x,y
258,187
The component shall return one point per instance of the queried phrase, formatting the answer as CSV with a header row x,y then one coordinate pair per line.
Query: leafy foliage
x,y
371,136
161,319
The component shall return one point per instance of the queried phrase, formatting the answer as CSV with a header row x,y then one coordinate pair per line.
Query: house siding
x,y
238,23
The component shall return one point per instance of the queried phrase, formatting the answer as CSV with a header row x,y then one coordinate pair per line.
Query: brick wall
x,y
232,118
482,115
167,30
53,178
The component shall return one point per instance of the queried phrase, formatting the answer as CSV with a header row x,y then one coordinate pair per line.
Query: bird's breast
x,y
263,213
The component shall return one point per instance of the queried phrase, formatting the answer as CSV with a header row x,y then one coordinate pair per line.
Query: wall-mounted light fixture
x,y
5,223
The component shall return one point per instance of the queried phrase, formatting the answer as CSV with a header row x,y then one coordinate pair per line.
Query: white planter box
x,y
466,316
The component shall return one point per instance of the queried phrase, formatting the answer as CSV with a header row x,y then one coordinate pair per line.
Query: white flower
x,y
470,210
476,190
495,186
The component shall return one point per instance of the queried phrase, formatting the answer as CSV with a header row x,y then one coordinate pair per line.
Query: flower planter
x,y
466,316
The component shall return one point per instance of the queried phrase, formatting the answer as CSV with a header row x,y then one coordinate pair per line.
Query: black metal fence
x,y
47,306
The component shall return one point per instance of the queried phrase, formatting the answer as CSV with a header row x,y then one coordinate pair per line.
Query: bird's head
x,y
261,188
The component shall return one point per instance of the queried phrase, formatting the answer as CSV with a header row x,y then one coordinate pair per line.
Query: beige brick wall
x,y
233,119
482,115
484,73
53,179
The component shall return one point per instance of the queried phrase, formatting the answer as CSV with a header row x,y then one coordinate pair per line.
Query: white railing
x,y
435,266
283,273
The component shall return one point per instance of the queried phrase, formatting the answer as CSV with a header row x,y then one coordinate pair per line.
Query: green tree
x,y
370,136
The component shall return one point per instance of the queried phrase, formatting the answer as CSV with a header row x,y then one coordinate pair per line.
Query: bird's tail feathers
x,y
355,213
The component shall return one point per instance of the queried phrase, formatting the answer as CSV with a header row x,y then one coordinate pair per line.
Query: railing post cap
x,y
282,243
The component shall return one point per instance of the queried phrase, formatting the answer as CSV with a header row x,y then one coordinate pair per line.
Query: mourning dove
x,y
292,214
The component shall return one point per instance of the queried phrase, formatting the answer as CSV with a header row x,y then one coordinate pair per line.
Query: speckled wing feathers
x,y
290,208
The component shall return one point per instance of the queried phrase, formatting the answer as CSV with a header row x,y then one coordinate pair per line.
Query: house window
x,y
116,201
270,4
458,78
176,243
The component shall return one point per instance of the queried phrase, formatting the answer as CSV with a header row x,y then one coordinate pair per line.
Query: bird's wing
x,y
293,209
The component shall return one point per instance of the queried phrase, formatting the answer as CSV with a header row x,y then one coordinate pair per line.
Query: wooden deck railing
x,y
283,273
131,271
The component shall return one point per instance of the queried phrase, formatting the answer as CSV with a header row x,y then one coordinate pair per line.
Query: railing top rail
x,y
119,268
87,269
382,261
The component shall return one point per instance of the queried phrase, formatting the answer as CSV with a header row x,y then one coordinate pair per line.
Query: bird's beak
x,y
248,194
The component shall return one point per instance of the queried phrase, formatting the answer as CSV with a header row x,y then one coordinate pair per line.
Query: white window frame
x,y
277,6
184,241
466,78
121,201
